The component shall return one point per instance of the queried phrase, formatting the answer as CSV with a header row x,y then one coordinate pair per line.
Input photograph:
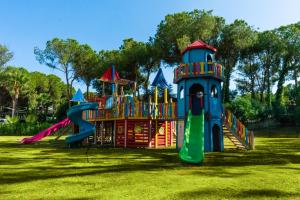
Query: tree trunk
x,y
296,78
268,80
68,86
87,90
14,105
296,84
226,85
146,84
280,83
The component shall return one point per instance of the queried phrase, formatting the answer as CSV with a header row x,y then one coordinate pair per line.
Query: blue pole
x,y
113,79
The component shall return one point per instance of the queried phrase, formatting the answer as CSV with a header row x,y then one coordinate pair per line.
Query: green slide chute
x,y
192,150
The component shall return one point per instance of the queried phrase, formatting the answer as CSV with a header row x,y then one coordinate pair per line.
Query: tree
x,y
15,81
59,54
86,65
289,58
179,29
234,38
133,56
248,68
268,55
5,55
151,63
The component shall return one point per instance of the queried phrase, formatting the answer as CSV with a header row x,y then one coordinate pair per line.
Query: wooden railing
x,y
239,129
198,69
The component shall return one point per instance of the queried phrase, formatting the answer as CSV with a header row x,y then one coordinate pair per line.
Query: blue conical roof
x,y
160,80
78,96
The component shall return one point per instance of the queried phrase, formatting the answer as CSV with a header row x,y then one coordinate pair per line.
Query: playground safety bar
x,y
198,69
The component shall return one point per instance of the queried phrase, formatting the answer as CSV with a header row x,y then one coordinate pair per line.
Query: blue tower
x,y
198,81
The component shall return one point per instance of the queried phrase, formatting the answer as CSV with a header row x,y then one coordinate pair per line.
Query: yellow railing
x,y
133,110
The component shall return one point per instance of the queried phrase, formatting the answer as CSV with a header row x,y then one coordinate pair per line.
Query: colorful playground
x,y
150,100
195,124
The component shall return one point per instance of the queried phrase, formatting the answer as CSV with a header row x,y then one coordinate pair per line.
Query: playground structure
x,y
125,121
195,122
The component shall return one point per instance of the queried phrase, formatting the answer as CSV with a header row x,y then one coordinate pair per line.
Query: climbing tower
x,y
198,80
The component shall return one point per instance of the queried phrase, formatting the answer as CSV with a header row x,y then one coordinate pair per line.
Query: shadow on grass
x,y
239,194
43,160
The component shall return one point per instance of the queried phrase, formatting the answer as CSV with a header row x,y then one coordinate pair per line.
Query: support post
x,y
95,134
101,134
125,134
150,134
166,133
114,133
103,89
156,131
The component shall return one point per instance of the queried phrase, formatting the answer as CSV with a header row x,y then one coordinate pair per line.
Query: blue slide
x,y
85,128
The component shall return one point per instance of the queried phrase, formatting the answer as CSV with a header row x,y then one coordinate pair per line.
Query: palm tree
x,y
14,80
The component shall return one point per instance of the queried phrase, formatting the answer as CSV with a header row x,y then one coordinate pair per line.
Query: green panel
x,y
192,150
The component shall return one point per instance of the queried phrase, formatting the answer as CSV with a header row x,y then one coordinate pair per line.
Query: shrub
x,y
61,112
11,120
22,128
31,119
247,109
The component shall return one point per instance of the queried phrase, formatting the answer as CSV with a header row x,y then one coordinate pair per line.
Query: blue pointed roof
x,y
160,80
78,96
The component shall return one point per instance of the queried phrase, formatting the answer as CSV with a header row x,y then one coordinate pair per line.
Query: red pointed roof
x,y
107,76
198,45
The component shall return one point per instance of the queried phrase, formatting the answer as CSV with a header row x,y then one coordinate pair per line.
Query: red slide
x,y
46,132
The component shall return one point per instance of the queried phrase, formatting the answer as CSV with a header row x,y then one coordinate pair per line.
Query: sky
x,y
104,24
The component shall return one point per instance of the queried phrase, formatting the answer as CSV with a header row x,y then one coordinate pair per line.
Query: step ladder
x,y
234,138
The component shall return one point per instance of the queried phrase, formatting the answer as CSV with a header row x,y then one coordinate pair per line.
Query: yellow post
x,y
166,101
166,95
202,68
156,136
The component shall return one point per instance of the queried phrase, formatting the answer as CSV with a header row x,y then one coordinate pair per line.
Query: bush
x,y
22,128
61,112
31,119
247,109
11,120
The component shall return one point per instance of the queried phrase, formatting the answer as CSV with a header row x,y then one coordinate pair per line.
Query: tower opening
x,y
216,138
196,95
209,58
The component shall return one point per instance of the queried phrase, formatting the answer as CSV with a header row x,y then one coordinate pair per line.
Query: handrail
x,y
198,69
122,109
238,129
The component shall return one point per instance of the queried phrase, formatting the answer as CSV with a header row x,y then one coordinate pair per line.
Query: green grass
x,y
48,170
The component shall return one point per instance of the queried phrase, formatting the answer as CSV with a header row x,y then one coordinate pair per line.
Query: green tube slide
x,y
192,150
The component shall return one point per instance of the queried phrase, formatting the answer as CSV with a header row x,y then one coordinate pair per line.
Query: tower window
x,y
181,92
214,92
209,58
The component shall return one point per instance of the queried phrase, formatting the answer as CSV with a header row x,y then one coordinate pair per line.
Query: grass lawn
x,y
48,170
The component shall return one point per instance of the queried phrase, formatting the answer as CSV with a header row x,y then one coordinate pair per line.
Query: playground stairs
x,y
234,138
